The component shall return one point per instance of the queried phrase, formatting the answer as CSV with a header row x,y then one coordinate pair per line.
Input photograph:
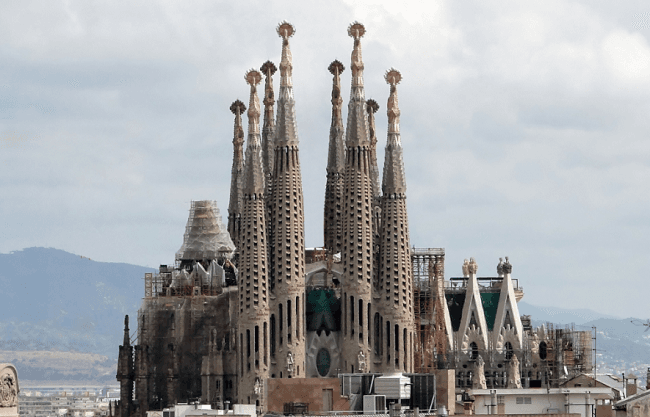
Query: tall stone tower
x,y
287,231
253,284
396,273
335,167
235,205
372,107
356,254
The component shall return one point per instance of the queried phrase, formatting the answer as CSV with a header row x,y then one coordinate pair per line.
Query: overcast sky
x,y
524,124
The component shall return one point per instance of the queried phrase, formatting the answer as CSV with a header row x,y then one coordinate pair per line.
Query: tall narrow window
x,y
297,318
351,316
265,342
360,320
288,321
272,335
369,325
280,323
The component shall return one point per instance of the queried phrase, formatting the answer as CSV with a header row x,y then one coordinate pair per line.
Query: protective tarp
x,y
205,235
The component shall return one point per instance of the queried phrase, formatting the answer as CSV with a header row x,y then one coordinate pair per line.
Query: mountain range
x,y
63,316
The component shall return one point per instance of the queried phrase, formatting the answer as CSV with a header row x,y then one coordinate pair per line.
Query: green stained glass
x,y
323,362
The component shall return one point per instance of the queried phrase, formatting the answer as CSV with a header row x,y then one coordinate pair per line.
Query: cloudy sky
x,y
524,127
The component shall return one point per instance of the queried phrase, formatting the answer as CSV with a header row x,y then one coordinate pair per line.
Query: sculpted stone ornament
x,y
8,387
500,267
514,377
466,268
356,31
473,266
362,362
290,363
507,267
478,377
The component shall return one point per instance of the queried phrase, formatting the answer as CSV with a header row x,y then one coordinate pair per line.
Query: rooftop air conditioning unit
x,y
373,404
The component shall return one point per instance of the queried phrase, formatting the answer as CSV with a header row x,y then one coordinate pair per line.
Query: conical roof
x,y
205,236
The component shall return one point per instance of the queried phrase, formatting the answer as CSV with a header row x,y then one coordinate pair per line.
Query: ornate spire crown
x,y
393,77
286,30
356,30
336,68
253,78
237,108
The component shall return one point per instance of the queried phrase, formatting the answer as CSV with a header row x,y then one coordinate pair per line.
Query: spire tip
x,y
393,77
268,67
253,77
356,30
336,67
286,30
237,105
372,106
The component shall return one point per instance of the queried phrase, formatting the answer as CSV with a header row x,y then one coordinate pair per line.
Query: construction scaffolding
x,y
427,265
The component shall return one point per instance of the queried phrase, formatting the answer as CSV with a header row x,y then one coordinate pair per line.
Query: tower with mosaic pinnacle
x,y
253,355
395,270
356,254
287,231
372,107
237,177
335,167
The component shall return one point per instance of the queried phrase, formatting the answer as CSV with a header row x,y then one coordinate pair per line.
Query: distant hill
x,y
56,301
560,315
62,318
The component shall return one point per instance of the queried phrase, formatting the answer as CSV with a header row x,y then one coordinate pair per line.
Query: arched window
x,y
543,351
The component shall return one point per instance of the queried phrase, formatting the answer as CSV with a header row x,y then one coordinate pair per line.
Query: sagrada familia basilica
x,y
248,303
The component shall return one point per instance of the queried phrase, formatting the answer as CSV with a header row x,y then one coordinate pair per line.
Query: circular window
x,y
323,362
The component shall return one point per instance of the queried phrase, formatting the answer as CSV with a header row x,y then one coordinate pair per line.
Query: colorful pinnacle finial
x,y
393,77
286,30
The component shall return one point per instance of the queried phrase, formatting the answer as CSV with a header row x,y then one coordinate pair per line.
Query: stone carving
x,y
507,267
8,388
356,31
362,362
500,267
290,363
514,377
478,377
473,266
465,268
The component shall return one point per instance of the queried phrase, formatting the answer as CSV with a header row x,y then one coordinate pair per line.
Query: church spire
x,y
254,178
335,166
268,128
253,279
357,241
372,107
357,130
287,231
394,181
286,130
395,269
237,173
